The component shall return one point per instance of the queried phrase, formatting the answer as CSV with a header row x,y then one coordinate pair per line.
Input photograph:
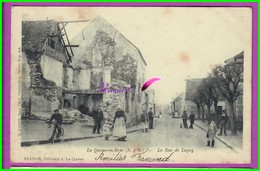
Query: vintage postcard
x,y
167,86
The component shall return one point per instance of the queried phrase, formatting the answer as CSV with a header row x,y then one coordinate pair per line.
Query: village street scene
x,y
82,82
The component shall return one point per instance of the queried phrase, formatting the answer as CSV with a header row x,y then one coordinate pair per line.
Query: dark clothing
x,y
144,118
185,123
184,119
223,123
224,118
57,126
97,126
223,127
98,117
192,119
151,123
119,113
57,117
185,116
151,116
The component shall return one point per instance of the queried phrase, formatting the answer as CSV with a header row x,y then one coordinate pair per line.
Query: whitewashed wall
x,y
52,70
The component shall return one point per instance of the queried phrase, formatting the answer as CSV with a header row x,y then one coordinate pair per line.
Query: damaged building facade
x,y
105,55
54,76
46,69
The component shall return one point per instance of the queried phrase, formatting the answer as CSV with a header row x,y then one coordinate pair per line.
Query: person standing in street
x,y
107,129
98,117
160,115
145,121
151,116
192,119
119,125
184,119
211,133
223,123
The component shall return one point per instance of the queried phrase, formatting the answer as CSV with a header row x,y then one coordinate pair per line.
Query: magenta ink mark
x,y
104,89
149,83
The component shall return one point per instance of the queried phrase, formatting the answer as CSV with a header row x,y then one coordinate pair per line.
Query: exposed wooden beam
x,y
71,45
66,49
74,21
68,40
56,35
63,26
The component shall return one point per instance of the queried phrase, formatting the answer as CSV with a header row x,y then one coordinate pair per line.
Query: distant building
x,y
177,106
191,88
185,100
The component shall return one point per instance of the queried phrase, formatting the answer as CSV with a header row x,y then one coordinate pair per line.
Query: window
x,y
55,45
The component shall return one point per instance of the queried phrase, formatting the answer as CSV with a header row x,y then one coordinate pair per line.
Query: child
x,y
107,129
211,133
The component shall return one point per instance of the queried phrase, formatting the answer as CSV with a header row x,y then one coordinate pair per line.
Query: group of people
x,y
147,120
185,118
118,125
212,128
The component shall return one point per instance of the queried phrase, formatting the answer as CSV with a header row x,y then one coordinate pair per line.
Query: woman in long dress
x,y
119,125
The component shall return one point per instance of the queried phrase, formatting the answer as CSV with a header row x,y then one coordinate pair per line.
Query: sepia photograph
x,y
131,85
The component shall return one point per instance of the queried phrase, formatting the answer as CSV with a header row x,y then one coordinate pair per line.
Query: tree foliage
x,y
225,80
228,79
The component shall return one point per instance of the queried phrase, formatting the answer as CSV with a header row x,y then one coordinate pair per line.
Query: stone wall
x,y
110,103
91,101
111,57
44,94
70,78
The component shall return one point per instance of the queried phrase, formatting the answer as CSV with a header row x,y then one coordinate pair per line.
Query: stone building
x,y
176,105
105,55
55,76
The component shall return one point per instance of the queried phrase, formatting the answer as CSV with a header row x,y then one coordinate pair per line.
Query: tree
x,y
211,91
228,78
202,103
204,90
198,99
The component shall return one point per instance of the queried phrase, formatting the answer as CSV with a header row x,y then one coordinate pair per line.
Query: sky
x,y
176,42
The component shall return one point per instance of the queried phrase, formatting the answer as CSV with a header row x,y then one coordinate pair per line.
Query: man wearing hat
x,y
151,116
98,117
57,117
223,123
